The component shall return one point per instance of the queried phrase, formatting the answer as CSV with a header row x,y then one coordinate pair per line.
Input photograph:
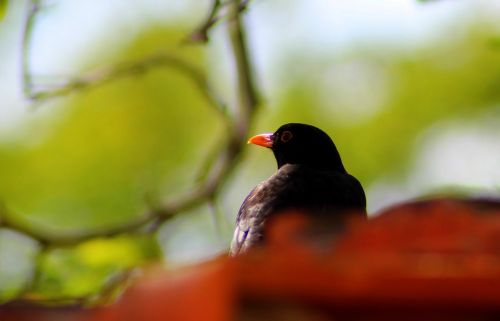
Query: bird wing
x,y
244,231
294,187
265,199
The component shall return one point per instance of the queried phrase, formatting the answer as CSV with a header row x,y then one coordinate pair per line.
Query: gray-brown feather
x,y
297,187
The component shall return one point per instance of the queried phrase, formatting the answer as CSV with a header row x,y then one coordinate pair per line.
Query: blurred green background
x,y
409,91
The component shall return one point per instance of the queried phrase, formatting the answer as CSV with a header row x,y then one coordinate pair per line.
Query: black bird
x,y
310,178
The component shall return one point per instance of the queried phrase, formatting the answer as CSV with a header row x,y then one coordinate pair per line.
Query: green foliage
x,y
3,8
407,92
112,149
87,269
104,157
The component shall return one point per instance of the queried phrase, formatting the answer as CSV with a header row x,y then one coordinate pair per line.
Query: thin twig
x,y
105,75
33,9
200,34
67,238
204,191
215,15
247,93
102,76
243,5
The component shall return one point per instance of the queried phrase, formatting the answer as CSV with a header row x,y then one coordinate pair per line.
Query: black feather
x,y
310,177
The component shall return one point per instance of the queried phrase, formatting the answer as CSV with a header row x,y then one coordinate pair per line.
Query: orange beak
x,y
265,140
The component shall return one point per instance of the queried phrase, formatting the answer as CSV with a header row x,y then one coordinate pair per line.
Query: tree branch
x,y
215,15
156,216
216,171
33,9
105,75
221,168
247,94
201,33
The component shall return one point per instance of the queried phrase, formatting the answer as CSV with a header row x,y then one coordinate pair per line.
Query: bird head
x,y
301,144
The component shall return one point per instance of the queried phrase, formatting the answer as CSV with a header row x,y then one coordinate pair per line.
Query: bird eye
x,y
286,136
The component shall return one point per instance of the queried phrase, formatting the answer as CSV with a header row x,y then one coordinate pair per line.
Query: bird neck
x,y
330,161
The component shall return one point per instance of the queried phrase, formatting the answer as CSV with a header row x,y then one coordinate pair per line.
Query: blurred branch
x,y
109,292
33,9
107,74
154,217
215,15
220,164
246,88
221,167
201,33
56,238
